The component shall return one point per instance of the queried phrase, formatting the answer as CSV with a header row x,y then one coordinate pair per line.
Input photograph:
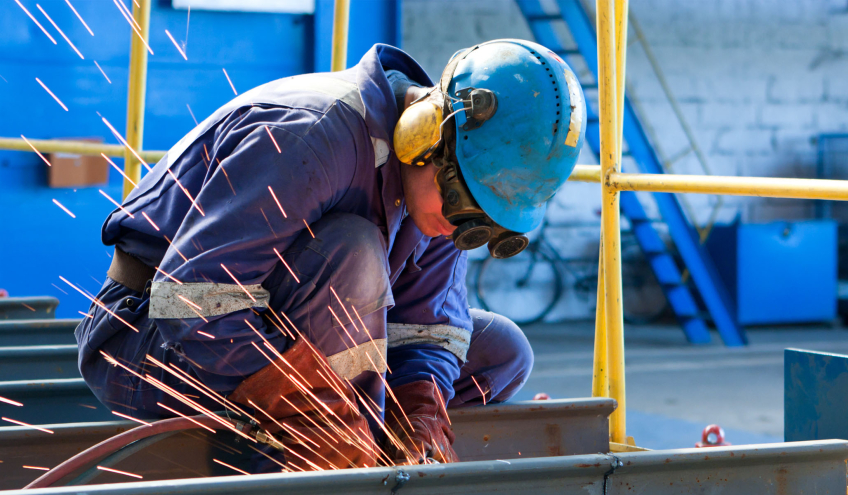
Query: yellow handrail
x,y
341,13
76,147
136,94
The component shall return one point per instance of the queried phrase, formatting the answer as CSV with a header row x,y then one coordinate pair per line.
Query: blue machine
x,y
815,396
42,242
778,272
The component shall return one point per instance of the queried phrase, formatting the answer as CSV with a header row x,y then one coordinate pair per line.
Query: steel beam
x,y
37,332
797,468
66,400
38,362
27,308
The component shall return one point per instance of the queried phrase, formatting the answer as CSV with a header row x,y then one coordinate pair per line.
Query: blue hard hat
x,y
516,160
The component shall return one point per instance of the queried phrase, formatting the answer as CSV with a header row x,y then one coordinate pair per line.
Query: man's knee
x,y
356,252
499,346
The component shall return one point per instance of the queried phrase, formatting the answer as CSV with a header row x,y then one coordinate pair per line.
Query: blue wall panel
x,y
38,241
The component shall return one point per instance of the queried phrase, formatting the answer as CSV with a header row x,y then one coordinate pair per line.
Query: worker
x,y
300,256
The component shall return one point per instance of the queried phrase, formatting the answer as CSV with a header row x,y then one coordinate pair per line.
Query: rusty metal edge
x,y
548,471
599,406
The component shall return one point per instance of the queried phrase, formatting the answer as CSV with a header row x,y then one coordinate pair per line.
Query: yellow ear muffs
x,y
417,133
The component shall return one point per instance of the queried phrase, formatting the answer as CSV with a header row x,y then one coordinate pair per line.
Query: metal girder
x,y
796,468
38,362
27,308
37,332
67,400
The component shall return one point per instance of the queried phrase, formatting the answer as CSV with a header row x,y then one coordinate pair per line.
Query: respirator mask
x,y
425,133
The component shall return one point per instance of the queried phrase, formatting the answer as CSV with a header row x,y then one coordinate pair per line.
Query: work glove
x,y
303,402
421,430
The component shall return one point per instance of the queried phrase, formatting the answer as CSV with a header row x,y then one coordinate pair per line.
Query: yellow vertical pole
x,y
136,94
616,335
340,28
600,365
611,225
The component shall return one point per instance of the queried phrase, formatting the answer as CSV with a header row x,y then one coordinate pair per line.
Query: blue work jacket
x,y
201,215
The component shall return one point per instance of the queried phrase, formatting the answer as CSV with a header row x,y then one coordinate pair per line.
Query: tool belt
x,y
129,271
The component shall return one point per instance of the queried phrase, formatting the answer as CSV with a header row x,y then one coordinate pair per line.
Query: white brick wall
x,y
756,79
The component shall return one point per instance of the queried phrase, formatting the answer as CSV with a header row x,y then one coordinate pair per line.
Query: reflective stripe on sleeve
x,y
193,300
351,362
453,339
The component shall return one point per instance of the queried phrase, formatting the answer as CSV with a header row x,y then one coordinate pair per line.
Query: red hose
x,y
113,444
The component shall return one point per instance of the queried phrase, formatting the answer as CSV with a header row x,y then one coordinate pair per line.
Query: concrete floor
x,y
674,389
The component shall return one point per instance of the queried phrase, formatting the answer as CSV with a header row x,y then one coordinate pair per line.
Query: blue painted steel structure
x,y
815,395
697,260
40,241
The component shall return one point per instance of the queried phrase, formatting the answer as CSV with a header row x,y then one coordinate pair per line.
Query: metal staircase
x,y
543,23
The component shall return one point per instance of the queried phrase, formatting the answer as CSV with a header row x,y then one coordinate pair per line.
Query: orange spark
x,y
60,31
173,246
36,467
239,283
287,265
126,416
169,276
101,71
60,205
278,202
206,334
307,228
97,302
151,221
190,303
186,417
79,17
480,389
119,472
192,114
273,141
10,401
133,24
231,467
118,168
193,202
176,45
86,315
125,143
229,81
51,94
36,22
36,151
441,399
45,430
116,203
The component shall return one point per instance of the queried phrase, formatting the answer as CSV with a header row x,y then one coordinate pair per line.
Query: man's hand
x,y
421,429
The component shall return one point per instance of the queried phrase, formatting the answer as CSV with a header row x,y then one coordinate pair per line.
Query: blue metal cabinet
x,y
815,395
779,272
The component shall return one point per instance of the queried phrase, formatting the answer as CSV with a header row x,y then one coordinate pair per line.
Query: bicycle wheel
x,y
642,295
524,288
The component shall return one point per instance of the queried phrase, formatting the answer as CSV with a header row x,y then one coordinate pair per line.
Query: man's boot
x,y
422,427
300,399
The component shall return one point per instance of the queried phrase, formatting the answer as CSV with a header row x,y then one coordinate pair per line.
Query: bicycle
x,y
526,287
